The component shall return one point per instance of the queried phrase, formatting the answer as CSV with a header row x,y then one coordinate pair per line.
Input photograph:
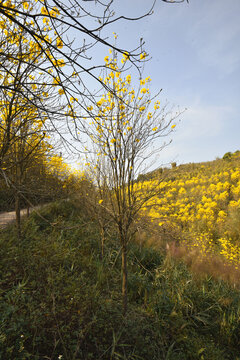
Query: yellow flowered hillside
x,y
202,201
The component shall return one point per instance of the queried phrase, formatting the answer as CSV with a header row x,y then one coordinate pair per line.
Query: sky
x,y
195,58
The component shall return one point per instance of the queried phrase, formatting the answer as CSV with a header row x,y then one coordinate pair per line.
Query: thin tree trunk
x,y
18,215
124,277
102,242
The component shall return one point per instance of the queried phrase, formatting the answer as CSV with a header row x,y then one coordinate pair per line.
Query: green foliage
x,y
227,156
58,299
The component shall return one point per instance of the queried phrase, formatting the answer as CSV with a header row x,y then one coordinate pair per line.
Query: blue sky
x,y
195,59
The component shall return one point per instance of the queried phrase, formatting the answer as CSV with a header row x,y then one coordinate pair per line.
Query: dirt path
x,y
7,217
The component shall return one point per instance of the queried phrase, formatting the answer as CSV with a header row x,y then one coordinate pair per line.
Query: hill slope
x,y
201,202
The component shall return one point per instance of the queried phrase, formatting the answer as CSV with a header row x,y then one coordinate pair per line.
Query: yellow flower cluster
x,y
112,119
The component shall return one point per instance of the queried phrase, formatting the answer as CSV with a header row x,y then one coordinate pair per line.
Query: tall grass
x,y
60,300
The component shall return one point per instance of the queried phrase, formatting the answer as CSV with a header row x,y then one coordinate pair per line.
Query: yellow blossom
x,y
25,5
59,43
61,91
143,56
128,79
44,10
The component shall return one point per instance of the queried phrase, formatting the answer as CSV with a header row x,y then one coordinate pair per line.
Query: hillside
x,y
60,300
200,204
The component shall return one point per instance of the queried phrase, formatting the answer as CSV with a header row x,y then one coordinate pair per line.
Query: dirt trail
x,y
7,217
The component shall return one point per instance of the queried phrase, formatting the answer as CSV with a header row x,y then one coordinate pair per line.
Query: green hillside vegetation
x,y
60,300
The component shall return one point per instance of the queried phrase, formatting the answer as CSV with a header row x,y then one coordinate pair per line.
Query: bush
x,y
227,156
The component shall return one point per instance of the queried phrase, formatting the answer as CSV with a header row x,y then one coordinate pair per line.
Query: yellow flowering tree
x,y
25,95
62,40
22,141
125,124
28,97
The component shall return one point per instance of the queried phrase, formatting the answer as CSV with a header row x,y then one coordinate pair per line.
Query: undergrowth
x,y
60,300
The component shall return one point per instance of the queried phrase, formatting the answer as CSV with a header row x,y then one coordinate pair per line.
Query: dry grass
x,y
201,265
206,265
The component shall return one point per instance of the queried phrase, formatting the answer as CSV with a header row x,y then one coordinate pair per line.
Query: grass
x,y
59,300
